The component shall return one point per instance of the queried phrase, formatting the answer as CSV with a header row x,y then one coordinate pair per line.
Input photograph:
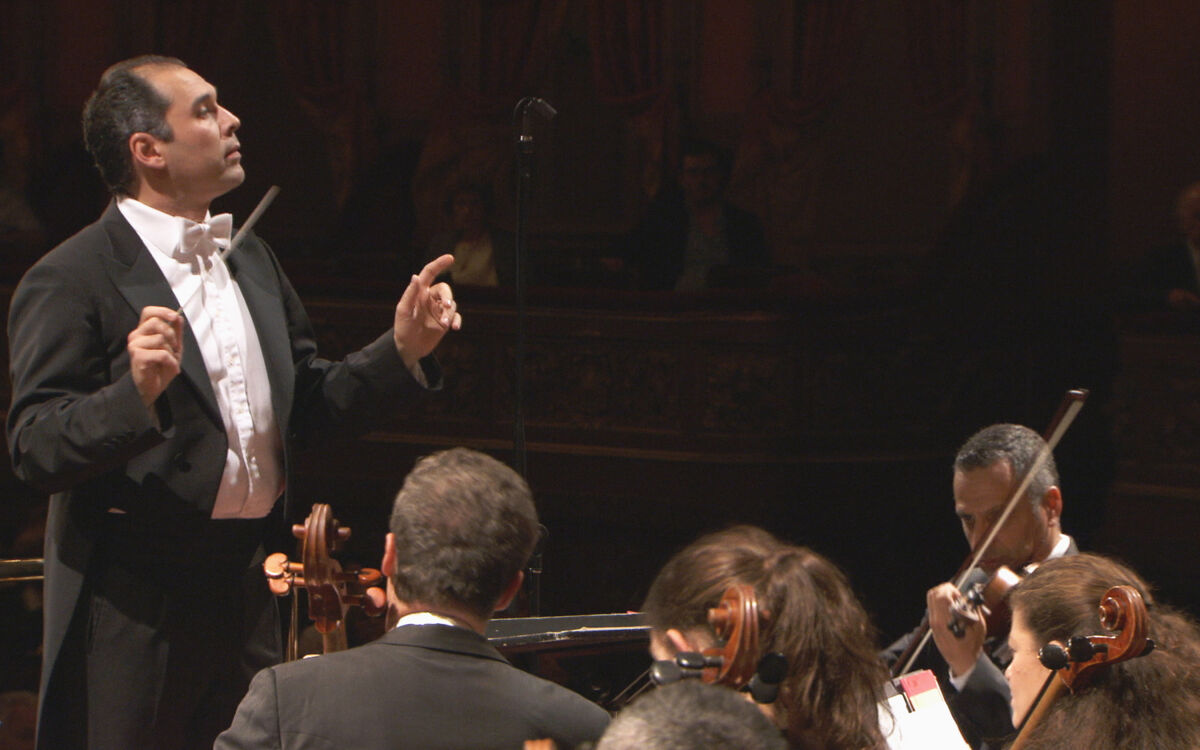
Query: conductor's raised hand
x,y
425,312
155,351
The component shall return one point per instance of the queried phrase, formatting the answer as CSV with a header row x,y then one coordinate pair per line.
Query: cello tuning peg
x,y
665,672
691,660
1053,656
1081,649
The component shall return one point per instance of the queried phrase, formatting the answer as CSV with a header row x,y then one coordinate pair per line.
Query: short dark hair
x,y
464,525
1016,444
124,103
691,715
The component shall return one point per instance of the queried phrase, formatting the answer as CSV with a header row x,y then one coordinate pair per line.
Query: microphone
x,y
543,109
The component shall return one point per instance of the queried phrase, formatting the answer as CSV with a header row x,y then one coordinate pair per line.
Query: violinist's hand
x,y
425,312
959,653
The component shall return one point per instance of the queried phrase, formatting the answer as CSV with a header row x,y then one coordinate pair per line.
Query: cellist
x,y
462,529
987,470
1149,701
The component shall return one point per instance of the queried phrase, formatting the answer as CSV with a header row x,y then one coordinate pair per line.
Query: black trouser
x,y
169,648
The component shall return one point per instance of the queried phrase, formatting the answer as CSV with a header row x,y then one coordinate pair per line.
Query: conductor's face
x,y
203,159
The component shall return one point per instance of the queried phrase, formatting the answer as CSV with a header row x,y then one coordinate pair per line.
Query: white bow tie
x,y
203,238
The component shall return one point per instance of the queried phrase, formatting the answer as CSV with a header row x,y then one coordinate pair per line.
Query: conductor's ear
x,y
146,150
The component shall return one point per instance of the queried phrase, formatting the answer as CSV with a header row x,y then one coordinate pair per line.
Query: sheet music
x,y
919,717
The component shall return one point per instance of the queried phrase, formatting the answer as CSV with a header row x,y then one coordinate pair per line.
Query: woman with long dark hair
x,y
831,694
1151,701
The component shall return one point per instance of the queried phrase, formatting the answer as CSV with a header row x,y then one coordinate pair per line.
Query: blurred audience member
x,y
483,255
692,238
1168,278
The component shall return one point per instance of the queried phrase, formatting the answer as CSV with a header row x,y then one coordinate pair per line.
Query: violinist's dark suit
x,y
162,573
982,708
419,686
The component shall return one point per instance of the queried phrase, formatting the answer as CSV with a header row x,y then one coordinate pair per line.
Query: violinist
x,y
834,683
1151,701
462,528
987,470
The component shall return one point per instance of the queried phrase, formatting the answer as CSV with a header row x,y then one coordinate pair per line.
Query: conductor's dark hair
x,y
124,103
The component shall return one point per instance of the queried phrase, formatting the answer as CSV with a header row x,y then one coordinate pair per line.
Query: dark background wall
x,y
946,186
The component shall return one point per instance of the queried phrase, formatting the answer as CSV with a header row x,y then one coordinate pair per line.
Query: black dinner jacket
x,y
77,428
419,686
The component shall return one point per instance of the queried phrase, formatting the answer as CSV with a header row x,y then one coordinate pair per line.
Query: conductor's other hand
x,y
155,350
425,312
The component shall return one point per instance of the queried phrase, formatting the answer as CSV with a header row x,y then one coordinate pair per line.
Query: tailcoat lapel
x,y
141,283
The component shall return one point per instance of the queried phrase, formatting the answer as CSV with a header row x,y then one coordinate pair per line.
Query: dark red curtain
x,y
825,40
192,31
319,45
938,53
627,49
516,43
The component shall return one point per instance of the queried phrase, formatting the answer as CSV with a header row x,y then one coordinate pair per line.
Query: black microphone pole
x,y
525,150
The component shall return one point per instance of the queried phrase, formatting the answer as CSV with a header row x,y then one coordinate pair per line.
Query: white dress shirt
x,y
217,314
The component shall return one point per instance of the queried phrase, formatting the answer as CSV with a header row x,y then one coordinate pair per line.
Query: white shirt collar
x,y
159,230
426,618
1060,549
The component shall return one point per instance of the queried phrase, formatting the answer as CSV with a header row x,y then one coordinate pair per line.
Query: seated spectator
x,y
462,528
692,238
1168,278
483,255
830,696
691,715
1148,701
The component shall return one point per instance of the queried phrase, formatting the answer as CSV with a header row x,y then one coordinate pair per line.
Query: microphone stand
x,y
525,151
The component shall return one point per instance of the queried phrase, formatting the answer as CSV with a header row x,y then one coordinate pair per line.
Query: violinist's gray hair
x,y
1016,444
691,715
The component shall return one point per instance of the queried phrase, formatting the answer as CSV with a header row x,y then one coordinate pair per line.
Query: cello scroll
x,y
1122,610
733,661
331,589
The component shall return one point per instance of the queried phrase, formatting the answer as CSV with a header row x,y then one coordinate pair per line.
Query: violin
x,y
989,596
331,589
968,572
733,661
1122,610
